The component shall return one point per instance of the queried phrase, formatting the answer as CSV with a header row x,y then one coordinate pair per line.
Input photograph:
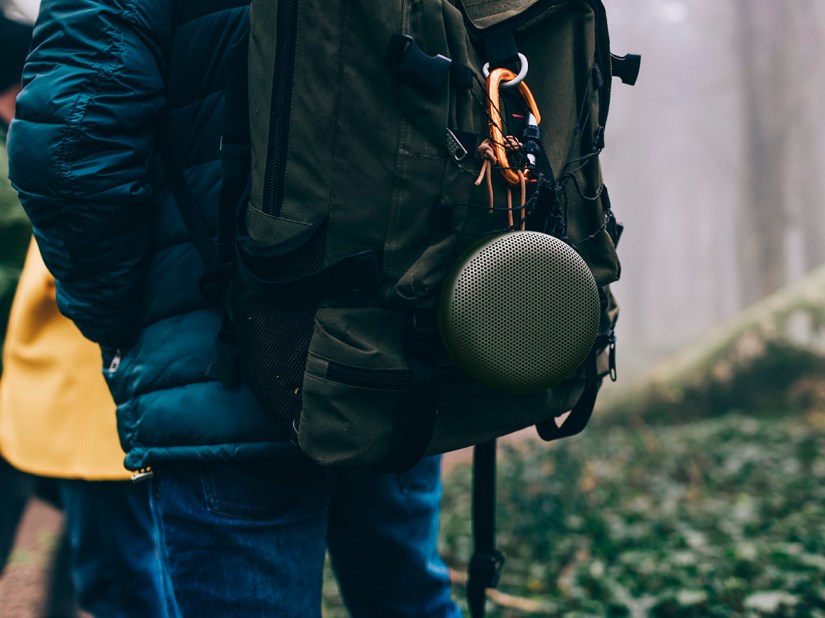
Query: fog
x,y
714,161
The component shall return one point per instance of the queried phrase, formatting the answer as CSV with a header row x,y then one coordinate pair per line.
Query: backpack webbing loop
x,y
502,52
419,408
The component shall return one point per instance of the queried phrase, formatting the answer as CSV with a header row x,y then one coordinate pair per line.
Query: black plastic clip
x,y
405,56
626,67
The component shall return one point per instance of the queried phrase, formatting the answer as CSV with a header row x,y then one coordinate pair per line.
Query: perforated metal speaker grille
x,y
519,312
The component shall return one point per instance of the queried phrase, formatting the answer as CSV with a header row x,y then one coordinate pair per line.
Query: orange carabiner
x,y
494,81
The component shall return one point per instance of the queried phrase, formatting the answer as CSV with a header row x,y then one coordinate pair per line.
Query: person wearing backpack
x,y
242,516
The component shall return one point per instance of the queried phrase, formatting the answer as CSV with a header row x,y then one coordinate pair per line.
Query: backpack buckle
x,y
626,67
404,55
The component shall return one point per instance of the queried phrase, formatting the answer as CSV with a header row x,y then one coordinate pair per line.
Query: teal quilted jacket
x,y
102,77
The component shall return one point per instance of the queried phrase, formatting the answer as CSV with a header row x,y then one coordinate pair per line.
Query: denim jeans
x,y
15,487
248,539
114,559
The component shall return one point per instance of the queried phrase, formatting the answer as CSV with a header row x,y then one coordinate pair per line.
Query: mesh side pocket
x,y
273,333
273,341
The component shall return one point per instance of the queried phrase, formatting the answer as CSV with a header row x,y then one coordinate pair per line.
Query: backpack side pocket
x,y
355,384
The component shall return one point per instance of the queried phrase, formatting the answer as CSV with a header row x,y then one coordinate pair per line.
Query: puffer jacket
x,y
101,80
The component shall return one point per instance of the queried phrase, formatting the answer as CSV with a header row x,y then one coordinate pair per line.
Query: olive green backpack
x,y
386,139
367,122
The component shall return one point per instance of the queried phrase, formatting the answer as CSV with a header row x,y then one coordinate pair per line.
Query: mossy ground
x,y
722,517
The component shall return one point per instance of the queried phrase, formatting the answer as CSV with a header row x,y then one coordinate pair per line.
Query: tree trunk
x,y
762,45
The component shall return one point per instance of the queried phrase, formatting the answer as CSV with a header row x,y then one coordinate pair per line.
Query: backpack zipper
x,y
383,379
280,107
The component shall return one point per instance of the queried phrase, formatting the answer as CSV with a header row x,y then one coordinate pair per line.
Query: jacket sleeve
x,y
80,151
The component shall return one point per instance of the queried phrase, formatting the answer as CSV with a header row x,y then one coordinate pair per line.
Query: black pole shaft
x,y
484,525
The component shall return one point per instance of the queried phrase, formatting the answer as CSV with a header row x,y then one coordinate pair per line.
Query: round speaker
x,y
519,312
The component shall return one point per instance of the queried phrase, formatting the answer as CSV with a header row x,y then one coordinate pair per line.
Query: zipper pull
x,y
144,474
611,340
113,366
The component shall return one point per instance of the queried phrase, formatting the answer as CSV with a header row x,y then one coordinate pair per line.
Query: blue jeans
x,y
114,559
248,539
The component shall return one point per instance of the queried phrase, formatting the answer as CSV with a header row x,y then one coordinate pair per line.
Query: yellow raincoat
x,y
57,417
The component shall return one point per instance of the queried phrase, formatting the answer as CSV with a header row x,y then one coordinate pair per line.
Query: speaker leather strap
x,y
580,414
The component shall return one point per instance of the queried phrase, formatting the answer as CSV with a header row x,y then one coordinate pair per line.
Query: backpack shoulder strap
x,y
190,213
235,161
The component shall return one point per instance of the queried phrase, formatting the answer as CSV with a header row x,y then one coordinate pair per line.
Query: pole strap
x,y
487,562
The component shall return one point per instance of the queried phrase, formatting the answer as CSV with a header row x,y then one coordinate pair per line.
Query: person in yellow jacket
x,y
57,419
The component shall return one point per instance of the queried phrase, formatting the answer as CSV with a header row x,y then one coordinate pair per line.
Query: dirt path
x,y
23,583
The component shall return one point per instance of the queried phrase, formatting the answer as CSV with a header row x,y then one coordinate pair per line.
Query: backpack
x,y
371,154
365,122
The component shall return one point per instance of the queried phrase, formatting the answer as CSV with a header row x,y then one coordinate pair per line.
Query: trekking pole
x,y
486,564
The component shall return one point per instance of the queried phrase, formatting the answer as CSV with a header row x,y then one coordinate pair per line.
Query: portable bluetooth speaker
x,y
519,312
